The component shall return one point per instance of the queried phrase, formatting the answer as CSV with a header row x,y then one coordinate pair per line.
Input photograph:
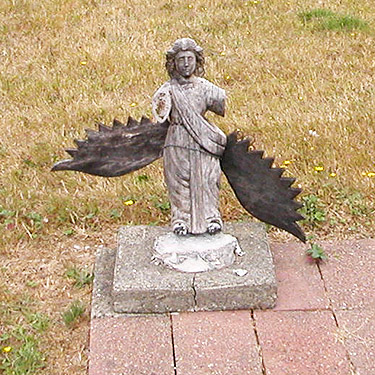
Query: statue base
x,y
196,253
127,281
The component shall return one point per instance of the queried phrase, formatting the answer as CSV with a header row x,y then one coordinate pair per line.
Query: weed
x,y
142,178
7,216
23,357
69,232
357,205
38,321
81,277
32,283
316,13
324,19
163,206
91,214
115,214
74,312
316,252
312,210
36,220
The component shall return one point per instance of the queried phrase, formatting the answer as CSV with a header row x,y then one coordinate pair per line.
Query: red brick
x,y
357,330
349,274
219,343
300,343
131,345
299,284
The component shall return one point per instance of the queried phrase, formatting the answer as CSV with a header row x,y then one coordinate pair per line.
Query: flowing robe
x,y
191,153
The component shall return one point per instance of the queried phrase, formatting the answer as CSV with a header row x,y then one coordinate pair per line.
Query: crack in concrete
x,y
259,347
173,348
194,293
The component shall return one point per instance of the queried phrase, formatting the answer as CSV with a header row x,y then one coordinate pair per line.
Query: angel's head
x,y
185,58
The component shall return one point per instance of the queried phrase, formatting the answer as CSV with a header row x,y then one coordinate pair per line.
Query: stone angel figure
x,y
194,153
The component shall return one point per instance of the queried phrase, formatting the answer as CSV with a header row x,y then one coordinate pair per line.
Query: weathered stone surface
x,y
102,303
301,343
196,253
131,346
225,290
220,343
349,274
357,331
299,284
139,286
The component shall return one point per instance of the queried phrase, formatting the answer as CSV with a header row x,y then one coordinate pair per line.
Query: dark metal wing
x,y
117,150
260,188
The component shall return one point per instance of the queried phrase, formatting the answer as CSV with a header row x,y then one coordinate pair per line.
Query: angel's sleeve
x,y
216,99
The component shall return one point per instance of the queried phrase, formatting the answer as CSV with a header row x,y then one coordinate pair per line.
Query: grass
x,y
312,210
23,359
306,97
80,277
73,313
324,19
22,337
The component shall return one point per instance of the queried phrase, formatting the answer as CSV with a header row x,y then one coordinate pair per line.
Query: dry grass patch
x,y
306,95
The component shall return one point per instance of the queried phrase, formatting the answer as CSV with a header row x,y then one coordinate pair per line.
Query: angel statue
x,y
194,153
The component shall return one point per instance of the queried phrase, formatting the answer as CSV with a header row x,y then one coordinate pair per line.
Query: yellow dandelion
x,y
333,174
7,349
190,6
371,174
222,53
364,174
133,104
287,162
83,63
129,202
300,98
319,168
228,77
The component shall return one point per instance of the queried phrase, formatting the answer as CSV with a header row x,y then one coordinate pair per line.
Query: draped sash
x,y
207,136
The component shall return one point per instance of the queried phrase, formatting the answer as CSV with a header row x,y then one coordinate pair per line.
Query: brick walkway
x,y
323,324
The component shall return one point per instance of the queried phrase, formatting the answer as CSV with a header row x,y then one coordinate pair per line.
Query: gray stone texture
x,y
224,290
196,253
140,286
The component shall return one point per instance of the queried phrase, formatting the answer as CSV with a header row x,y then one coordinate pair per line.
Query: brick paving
x,y
216,343
323,324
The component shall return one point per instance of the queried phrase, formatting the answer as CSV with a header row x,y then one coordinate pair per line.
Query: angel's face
x,y
186,63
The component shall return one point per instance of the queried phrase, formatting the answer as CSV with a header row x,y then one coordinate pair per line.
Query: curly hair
x,y
185,44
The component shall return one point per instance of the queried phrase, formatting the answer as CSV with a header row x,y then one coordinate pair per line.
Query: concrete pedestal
x,y
127,281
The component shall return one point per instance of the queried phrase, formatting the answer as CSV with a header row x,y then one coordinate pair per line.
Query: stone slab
x,y
219,343
349,274
139,286
357,331
301,343
225,290
101,300
299,283
131,346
